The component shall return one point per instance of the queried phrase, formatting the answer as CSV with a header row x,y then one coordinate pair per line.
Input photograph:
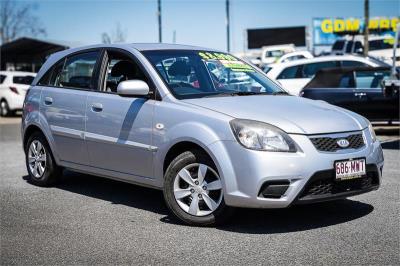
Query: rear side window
x,y
26,80
348,63
289,73
309,70
78,71
2,78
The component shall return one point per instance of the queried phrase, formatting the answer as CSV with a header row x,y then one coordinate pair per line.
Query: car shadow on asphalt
x,y
250,221
293,219
115,192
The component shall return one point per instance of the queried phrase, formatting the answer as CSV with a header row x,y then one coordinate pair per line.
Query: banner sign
x,y
327,30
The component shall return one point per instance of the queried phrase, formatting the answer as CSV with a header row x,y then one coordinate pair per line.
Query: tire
x,y
209,206
4,109
41,165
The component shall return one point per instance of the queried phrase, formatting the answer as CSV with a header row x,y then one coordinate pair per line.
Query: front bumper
x,y
244,172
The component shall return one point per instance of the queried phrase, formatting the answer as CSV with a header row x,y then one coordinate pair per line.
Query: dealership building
x,y
27,54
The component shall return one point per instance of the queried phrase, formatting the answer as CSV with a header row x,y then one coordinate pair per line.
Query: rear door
x,y
63,103
119,129
372,103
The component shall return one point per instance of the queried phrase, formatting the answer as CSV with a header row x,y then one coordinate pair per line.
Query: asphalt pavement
x,y
90,220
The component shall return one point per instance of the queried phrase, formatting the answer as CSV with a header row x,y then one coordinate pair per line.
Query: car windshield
x,y
196,74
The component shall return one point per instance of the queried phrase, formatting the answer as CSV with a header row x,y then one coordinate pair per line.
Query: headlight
x,y
371,132
261,136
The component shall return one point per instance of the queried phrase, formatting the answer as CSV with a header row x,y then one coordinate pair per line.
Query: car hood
x,y
290,113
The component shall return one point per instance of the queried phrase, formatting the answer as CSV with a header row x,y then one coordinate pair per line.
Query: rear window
x,y
2,78
26,80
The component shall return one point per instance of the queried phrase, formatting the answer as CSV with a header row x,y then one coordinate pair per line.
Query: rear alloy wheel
x,y
40,163
193,190
4,109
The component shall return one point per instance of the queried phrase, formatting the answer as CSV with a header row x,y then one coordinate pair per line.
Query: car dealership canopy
x,y
27,54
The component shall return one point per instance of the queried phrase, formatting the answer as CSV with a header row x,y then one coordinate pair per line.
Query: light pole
x,y
227,26
366,29
159,21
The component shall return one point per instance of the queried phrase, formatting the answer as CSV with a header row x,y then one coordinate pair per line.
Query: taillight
x,y
13,89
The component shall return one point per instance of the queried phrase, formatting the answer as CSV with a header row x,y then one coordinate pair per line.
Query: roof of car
x,y
319,59
165,46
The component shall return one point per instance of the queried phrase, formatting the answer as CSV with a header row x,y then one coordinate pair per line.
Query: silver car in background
x,y
157,115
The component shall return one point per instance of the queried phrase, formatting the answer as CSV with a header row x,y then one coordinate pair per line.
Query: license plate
x,y
349,169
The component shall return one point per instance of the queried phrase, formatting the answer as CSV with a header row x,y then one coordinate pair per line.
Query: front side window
x,y
195,74
77,71
370,79
121,68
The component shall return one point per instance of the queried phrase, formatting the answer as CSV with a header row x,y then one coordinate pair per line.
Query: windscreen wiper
x,y
280,93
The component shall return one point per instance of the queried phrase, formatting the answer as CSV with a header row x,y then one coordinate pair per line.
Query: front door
x,y
119,129
372,103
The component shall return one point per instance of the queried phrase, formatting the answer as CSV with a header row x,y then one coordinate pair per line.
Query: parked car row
x,y
294,75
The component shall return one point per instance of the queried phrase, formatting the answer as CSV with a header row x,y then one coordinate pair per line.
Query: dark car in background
x,y
358,89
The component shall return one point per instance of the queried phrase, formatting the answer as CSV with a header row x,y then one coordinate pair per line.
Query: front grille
x,y
323,184
329,144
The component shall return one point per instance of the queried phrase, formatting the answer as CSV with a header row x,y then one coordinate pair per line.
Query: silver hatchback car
x,y
210,130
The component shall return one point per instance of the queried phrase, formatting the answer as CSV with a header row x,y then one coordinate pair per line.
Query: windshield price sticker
x,y
227,61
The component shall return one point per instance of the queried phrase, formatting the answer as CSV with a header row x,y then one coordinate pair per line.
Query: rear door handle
x,y
48,100
97,107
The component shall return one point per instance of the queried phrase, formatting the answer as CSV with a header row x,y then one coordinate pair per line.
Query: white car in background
x,y
295,56
294,75
269,54
13,87
380,47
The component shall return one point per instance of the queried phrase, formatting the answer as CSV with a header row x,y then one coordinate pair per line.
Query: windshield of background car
x,y
382,44
196,74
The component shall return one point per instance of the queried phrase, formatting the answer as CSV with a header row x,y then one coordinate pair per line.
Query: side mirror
x,y
133,87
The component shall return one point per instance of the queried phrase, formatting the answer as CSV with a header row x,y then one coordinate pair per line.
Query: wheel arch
x,y
180,147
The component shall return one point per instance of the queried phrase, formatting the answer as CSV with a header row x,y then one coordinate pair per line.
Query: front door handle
x,y
360,94
48,100
97,107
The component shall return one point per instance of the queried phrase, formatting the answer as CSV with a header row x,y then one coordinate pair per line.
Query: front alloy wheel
x,y
193,190
197,189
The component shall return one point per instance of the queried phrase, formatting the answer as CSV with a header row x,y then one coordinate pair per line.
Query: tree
x,y
116,36
17,20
